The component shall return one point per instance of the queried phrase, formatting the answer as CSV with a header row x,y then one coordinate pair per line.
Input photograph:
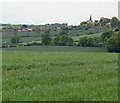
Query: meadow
x,y
59,76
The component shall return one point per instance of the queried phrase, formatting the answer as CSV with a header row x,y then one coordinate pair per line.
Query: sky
x,y
55,11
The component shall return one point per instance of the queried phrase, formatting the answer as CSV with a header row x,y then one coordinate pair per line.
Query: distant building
x,y
24,30
29,29
108,25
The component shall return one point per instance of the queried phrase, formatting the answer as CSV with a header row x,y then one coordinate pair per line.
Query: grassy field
x,y
57,49
65,76
24,36
76,38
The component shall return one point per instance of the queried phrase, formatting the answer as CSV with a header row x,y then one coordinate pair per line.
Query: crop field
x,y
24,36
57,49
59,76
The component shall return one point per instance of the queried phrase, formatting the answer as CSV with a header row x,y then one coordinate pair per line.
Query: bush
x,y
33,43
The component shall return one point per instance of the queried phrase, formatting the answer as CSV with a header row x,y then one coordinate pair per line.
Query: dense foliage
x,y
90,42
15,39
113,43
114,22
105,36
63,40
46,39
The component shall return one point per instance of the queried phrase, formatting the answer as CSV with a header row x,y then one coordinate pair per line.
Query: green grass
x,y
76,38
59,76
57,49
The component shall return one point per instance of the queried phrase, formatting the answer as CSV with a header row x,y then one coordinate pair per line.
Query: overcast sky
x,y
59,11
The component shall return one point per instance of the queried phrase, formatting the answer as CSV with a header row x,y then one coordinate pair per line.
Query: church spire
x,y
90,18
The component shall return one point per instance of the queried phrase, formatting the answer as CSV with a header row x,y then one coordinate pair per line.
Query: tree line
x,y
109,39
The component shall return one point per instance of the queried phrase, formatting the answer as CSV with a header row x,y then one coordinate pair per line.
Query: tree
x,y
97,42
90,42
38,29
24,26
46,39
90,23
15,32
70,42
113,44
63,40
103,21
65,31
82,41
114,22
86,42
15,39
106,35
8,26
84,23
